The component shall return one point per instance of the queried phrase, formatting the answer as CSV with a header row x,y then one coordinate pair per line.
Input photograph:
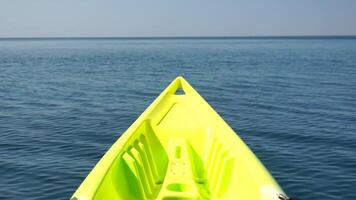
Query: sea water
x,y
64,102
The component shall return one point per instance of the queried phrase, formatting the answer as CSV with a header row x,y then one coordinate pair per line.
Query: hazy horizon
x,y
158,18
191,37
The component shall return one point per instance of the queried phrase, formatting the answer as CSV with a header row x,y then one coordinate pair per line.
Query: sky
x,y
157,18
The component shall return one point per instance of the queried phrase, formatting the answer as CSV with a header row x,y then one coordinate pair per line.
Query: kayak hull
x,y
179,148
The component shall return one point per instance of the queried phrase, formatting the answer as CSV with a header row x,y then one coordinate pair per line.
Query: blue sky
x,y
134,18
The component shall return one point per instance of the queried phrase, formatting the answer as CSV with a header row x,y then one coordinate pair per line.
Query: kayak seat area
x,y
181,181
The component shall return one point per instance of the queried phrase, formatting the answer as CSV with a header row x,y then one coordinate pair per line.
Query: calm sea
x,y
63,103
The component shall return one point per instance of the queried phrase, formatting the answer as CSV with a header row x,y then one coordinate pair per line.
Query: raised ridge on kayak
x,y
179,148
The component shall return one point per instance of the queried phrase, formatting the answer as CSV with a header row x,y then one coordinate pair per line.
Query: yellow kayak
x,y
179,149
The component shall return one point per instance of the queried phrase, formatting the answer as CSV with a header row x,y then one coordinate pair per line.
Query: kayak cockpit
x,y
148,170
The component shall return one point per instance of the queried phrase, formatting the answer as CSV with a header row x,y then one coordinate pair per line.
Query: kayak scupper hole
x,y
178,152
179,91
177,198
178,187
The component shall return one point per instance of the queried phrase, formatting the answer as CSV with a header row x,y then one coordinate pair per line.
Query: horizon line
x,y
190,37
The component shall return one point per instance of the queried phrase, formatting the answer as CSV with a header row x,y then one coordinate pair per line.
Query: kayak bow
x,y
179,148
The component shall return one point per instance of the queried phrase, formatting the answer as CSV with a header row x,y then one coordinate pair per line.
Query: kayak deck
x,y
179,148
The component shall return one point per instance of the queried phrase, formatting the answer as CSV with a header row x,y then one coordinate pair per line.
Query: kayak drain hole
x,y
179,91
177,187
178,152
